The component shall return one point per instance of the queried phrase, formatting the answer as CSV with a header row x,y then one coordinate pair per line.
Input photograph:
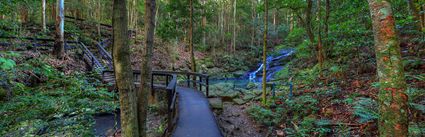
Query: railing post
x,y
207,86
200,83
92,63
188,80
170,115
166,80
152,90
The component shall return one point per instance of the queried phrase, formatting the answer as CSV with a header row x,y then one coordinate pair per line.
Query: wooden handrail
x,y
34,39
170,88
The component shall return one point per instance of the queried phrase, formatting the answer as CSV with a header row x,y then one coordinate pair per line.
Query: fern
x,y
365,109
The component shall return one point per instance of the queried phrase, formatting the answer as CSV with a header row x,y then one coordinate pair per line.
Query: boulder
x,y
239,101
251,85
256,92
248,97
216,103
238,74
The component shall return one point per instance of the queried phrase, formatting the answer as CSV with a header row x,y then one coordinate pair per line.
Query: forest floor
x,y
234,121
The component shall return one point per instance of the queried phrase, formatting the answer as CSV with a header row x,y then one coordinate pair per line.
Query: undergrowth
x,y
44,101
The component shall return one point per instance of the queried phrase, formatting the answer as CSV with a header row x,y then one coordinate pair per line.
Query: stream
x,y
274,64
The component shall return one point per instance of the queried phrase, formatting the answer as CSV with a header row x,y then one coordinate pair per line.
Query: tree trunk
x,y
59,49
24,14
53,8
254,24
264,81
204,24
192,55
123,71
234,26
275,26
326,22
414,12
43,12
393,120
99,18
320,56
222,25
308,26
146,68
291,22
423,16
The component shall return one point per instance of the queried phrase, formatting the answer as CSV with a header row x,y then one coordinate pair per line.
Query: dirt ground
x,y
235,122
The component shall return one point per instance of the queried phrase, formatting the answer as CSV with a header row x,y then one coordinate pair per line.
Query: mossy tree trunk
x,y
415,13
191,50
320,54
308,20
146,68
393,120
264,80
43,15
123,71
59,47
234,26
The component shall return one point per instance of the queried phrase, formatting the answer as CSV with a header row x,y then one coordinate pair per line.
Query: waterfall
x,y
271,71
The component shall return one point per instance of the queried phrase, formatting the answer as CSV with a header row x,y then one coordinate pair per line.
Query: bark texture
x,y
59,48
266,12
43,12
415,13
192,54
123,71
146,67
320,53
393,119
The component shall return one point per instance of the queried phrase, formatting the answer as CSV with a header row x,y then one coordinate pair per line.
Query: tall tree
x,y
253,18
123,71
146,68
264,82
59,49
204,23
393,111
192,54
416,16
43,12
326,21
234,26
308,24
320,56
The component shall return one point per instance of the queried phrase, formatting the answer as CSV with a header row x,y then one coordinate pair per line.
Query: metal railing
x,y
104,53
90,58
167,80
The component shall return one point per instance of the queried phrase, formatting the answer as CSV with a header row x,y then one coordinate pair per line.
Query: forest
x,y
212,68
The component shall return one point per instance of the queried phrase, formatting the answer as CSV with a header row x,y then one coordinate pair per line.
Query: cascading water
x,y
274,63
271,70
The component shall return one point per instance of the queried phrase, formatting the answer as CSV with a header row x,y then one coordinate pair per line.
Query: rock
x,y
251,85
216,103
230,95
256,92
239,101
239,73
280,133
248,97
221,87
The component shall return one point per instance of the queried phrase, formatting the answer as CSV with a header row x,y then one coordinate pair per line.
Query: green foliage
x,y
264,116
6,64
296,36
59,106
365,109
304,50
308,75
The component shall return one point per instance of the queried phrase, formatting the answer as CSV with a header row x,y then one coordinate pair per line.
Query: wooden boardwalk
x,y
195,118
